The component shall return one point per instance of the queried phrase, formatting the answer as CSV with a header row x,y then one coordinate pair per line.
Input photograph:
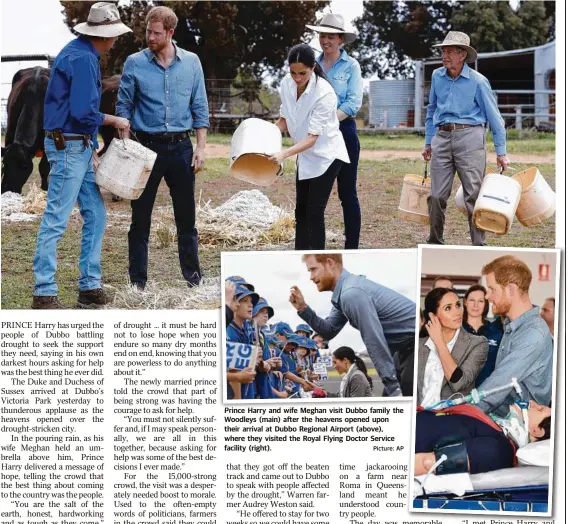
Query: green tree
x,y
394,33
229,37
495,26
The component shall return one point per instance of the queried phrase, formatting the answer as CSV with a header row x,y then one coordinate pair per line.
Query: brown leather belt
x,y
454,127
162,137
49,134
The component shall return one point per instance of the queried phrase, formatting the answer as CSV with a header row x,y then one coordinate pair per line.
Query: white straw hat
x,y
461,40
332,23
103,21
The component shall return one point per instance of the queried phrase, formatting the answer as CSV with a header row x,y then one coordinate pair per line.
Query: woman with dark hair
x,y
356,382
309,113
344,74
476,308
449,358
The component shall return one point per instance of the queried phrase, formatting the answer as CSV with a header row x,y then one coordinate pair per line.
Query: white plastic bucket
x,y
413,205
496,204
253,142
125,168
460,201
538,200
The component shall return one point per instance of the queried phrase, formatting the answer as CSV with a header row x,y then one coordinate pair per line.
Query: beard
x,y
502,307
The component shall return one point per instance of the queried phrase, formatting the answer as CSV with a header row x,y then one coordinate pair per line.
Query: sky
x,y
273,274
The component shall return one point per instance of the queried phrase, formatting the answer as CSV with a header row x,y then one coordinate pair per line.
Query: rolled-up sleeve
x,y
430,110
519,363
329,327
198,101
85,94
126,91
322,113
488,103
354,96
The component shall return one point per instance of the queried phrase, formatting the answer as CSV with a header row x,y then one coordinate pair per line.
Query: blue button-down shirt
x,y
525,353
386,319
345,77
466,100
158,100
74,91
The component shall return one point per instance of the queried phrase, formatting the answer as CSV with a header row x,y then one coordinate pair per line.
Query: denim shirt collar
x,y
337,291
510,326
464,72
342,56
151,56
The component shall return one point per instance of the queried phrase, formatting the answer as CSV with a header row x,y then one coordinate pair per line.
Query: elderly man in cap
x,y
71,121
461,106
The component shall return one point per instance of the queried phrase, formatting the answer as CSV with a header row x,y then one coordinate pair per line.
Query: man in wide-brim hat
x,y
462,106
71,122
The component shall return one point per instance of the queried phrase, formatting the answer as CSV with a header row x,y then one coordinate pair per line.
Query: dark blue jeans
x,y
347,185
174,165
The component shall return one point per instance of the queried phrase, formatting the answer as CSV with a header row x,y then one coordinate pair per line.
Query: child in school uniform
x,y
261,314
240,330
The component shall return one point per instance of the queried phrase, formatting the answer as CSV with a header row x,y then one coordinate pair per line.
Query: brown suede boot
x,y
92,299
48,302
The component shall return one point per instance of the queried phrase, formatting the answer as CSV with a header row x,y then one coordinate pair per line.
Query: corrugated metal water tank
x,y
390,100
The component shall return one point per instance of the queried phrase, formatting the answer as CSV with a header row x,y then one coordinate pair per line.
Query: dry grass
x,y
177,296
35,200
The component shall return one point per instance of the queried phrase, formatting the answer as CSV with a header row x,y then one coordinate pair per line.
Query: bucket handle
x,y
425,172
121,136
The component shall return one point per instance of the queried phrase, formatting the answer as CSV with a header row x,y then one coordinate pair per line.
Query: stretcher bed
x,y
521,489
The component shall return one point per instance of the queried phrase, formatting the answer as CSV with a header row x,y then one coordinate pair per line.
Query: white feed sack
x,y
252,207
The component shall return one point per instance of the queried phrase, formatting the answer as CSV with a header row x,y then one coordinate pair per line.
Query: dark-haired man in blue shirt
x,y
71,121
162,90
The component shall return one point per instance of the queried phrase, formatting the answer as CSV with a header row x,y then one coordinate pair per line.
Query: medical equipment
x,y
512,425
476,396
456,456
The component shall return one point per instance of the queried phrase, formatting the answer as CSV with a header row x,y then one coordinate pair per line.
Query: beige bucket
x,y
538,200
496,204
125,168
460,201
413,205
252,144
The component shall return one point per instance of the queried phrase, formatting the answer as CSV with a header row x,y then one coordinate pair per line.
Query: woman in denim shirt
x,y
476,307
344,74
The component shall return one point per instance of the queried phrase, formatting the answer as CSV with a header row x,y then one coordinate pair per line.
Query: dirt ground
x,y
224,151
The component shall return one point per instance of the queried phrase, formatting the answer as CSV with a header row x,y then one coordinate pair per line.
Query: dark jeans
x,y
174,165
311,200
347,185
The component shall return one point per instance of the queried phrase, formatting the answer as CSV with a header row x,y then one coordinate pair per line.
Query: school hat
x,y
304,327
262,303
282,328
243,292
240,281
305,342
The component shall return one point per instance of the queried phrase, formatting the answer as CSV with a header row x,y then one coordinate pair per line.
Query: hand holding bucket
x,y
255,148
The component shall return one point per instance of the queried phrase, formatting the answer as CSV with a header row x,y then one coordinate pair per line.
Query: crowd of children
x,y
284,364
